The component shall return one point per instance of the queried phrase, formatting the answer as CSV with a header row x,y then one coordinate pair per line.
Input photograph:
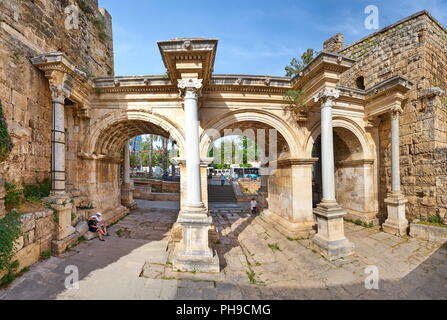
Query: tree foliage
x,y
295,66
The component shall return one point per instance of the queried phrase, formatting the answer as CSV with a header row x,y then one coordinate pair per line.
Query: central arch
x,y
250,115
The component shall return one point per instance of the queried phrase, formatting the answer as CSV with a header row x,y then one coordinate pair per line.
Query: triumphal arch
x,y
94,118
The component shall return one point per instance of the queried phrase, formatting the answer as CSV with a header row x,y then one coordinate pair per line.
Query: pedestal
x,y
193,253
396,223
127,196
330,240
65,233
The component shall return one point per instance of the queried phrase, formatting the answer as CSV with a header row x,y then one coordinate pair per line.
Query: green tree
x,y
295,66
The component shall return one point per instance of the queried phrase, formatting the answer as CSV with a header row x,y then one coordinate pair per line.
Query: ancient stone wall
x,y
414,48
37,232
29,28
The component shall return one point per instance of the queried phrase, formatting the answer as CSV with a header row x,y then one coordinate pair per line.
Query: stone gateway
x,y
371,146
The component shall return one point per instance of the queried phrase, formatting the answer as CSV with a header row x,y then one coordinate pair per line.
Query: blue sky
x,y
255,37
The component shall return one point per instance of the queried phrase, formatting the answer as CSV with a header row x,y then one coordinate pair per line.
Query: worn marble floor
x,y
257,263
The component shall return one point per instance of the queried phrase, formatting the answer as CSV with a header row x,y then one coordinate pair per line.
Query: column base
x,y
291,229
59,247
333,250
62,207
330,240
396,223
127,199
193,253
197,263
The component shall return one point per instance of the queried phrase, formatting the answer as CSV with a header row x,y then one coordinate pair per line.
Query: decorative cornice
x,y
204,162
285,163
65,79
431,93
354,163
325,61
396,83
101,157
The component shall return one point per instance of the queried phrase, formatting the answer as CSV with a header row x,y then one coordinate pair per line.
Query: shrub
x,y
435,219
13,196
45,255
10,229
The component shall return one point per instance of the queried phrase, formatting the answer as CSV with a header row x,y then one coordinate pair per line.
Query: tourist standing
x,y
254,206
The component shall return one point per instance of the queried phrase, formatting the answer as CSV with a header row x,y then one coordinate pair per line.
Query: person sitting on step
x,y
101,223
93,227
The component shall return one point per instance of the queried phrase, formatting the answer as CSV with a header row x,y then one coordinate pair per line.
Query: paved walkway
x,y
257,263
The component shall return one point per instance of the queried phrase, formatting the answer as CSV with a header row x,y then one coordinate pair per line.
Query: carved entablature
x,y
82,111
66,81
188,58
114,158
386,96
326,67
372,123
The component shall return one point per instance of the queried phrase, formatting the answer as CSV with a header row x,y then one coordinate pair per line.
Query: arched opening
x,y
354,176
152,157
103,155
285,193
245,153
360,83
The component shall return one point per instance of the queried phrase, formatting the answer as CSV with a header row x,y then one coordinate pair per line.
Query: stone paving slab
x,y
257,263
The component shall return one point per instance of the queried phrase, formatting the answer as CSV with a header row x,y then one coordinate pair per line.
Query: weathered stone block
x,y
44,227
428,232
28,255
28,222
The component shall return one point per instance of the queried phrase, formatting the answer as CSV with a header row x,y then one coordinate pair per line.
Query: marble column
x,y
127,187
330,240
58,143
59,199
193,252
126,163
396,223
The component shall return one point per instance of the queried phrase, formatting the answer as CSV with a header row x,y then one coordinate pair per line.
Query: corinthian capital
x,y
192,86
328,95
59,93
396,111
57,80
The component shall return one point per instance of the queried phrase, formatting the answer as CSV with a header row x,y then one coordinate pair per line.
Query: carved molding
x,y
191,86
396,111
328,95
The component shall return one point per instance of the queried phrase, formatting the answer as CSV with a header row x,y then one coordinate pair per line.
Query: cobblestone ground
x,y
257,263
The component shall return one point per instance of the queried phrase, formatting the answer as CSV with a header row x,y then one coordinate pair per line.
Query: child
x,y
254,206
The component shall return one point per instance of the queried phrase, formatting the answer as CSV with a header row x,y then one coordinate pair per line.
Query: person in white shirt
x,y
254,207
222,180
101,223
